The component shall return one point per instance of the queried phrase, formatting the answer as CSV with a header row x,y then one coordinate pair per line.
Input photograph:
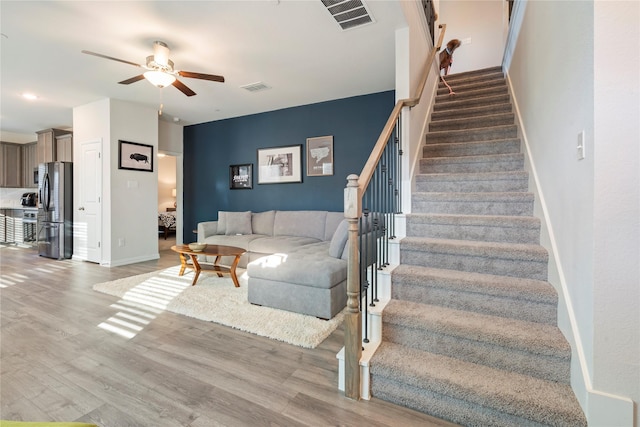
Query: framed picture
x,y
135,156
241,177
320,156
280,164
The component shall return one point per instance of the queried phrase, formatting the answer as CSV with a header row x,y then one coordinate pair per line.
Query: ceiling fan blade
x,y
110,57
202,76
132,80
183,88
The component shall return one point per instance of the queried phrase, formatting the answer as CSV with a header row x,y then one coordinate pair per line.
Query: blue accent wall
x,y
210,148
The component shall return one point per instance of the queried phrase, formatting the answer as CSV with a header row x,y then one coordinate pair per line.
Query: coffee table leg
x,y
196,268
216,263
232,270
183,263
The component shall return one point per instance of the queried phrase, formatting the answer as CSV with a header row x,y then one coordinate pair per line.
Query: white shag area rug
x,y
215,299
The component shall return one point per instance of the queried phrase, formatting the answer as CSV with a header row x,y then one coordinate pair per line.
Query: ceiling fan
x,y
160,71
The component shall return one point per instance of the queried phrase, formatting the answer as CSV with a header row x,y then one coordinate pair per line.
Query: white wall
x,y
482,21
590,229
133,194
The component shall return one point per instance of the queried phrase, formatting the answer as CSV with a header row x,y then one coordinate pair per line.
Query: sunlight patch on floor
x,y
142,303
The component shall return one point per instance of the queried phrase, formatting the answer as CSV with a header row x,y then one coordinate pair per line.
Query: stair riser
x,y
469,135
470,112
472,122
454,103
472,186
486,353
508,146
474,233
446,166
501,90
461,86
477,264
472,208
477,74
445,407
495,305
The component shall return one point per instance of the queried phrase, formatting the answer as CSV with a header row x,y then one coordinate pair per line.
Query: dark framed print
x,y
320,156
279,165
135,156
241,177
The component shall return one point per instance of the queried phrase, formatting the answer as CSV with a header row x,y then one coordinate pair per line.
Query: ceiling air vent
x,y
348,13
256,87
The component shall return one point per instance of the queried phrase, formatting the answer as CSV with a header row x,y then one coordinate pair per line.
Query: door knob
x,y
81,208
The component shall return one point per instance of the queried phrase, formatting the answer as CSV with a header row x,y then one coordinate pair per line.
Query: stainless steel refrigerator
x,y
55,210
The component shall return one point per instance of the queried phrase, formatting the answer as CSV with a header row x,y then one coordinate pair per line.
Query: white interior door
x,y
88,223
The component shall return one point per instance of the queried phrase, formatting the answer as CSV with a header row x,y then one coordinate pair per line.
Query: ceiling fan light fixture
x,y
159,78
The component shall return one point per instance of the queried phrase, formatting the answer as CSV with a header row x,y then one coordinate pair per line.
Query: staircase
x,y
470,333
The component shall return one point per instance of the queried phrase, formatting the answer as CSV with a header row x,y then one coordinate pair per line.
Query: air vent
x,y
256,87
348,13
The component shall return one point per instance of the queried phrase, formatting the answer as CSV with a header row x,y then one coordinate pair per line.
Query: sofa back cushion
x,y
300,223
238,223
262,222
222,222
333,221
339,239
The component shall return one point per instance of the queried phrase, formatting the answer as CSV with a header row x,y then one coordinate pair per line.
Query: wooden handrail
x,y
353,198
374,157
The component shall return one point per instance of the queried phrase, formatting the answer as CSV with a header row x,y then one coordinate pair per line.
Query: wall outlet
x,y
466,41
121,241
580,148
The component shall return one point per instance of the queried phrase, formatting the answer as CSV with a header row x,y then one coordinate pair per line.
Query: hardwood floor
x,y
58,365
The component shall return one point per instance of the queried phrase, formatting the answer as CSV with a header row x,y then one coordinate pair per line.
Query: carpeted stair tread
x,y
476,74
452,103
474,122
516,203
515,334
474,134
471,111
494,228
445,149
473,93
472,163
527,398
507,181
513,251
524,299
460,86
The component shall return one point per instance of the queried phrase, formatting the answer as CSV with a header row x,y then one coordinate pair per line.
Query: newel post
x,y
352,319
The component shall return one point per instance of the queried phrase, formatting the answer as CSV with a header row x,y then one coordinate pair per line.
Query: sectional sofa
x,y
295,260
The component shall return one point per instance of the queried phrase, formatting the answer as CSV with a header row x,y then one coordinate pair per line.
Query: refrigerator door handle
x,y
47,195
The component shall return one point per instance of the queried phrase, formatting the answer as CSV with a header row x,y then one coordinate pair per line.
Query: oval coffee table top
x,y
213,250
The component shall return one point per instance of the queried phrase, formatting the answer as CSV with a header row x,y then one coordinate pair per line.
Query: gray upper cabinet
x,y
29,164
47,144
64,148
11,161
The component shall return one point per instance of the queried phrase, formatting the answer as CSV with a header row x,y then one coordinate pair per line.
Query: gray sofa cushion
x,y
239,241
280,244
262,222
300,223
222,222
331,225
339,240
238,223
308,266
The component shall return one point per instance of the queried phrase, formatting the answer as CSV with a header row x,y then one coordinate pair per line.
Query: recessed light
x,y
29,96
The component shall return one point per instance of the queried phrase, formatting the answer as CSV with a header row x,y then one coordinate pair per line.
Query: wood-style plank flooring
x,y
58,365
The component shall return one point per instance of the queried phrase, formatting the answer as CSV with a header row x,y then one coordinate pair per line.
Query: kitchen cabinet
x,y
64,148
47,150
29,165
7,226
11,162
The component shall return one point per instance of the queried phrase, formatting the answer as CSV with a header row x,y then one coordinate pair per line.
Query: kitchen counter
x,y
20,208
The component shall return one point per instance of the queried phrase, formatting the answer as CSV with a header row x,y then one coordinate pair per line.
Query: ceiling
x,y
294,47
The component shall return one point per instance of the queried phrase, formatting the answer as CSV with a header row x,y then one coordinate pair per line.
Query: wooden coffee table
x,y
210,250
